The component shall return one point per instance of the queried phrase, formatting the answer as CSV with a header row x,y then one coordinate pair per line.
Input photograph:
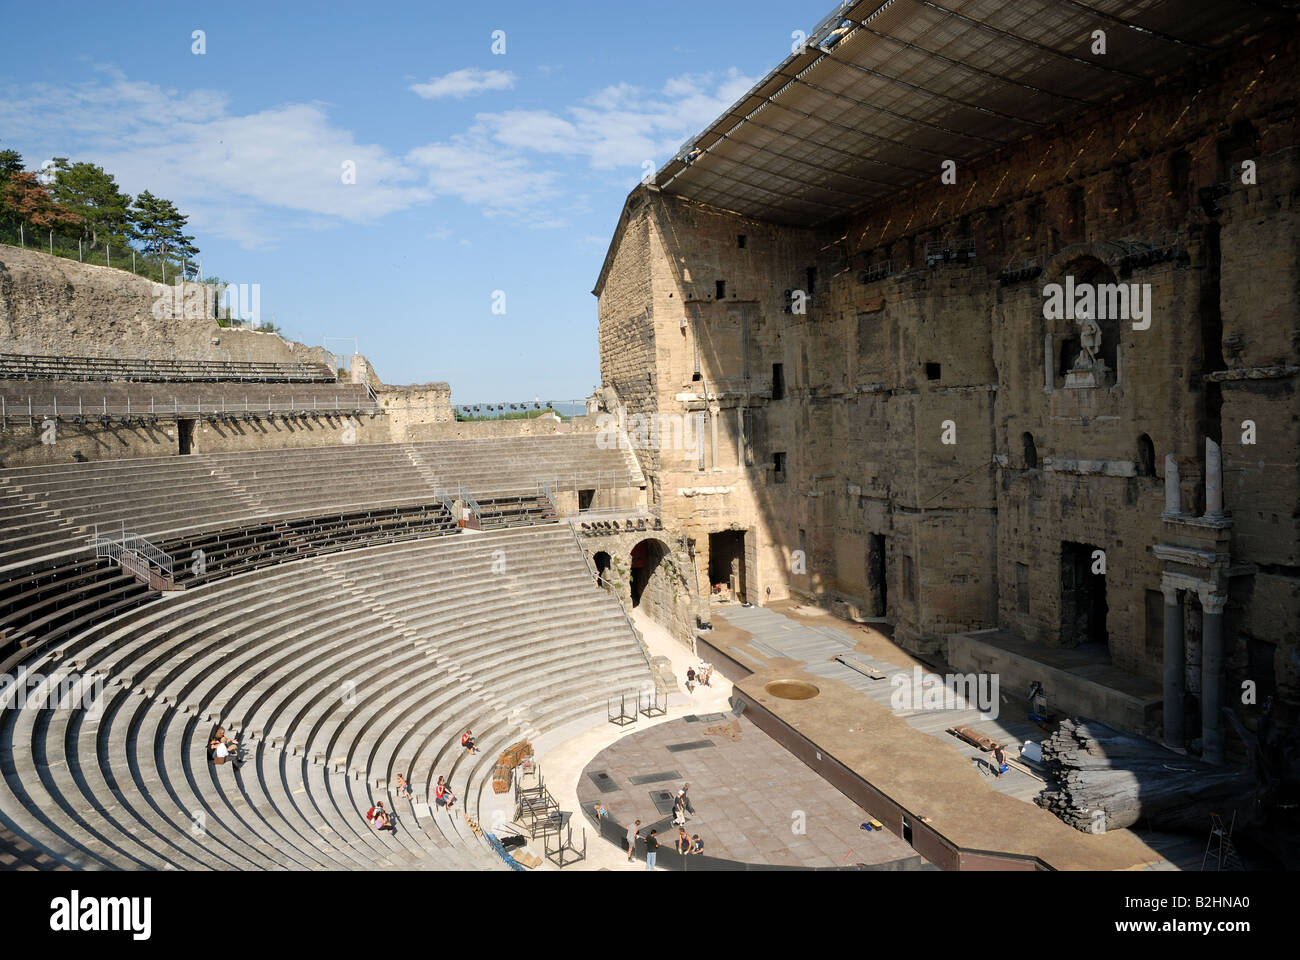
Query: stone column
x,y
1173,679
1173,494
1212,605
1213,480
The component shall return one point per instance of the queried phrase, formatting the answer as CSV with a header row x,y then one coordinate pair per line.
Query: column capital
x,y
1171,593
1211,601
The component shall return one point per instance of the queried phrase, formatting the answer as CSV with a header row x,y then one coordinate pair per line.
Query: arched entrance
x,y
647,561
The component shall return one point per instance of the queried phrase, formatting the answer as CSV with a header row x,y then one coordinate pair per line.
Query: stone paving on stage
x,y
747,794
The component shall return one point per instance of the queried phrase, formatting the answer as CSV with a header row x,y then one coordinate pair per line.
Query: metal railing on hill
x,y
126,410
15,366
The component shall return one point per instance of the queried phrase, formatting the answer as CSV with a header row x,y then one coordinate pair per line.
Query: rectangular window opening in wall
x,y
778,467
740,241
585,498
720,290
1022,587
909,580
811,276
933,371
778,381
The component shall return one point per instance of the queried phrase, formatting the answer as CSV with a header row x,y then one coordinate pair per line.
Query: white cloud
x,y
231,174
621,125
254,176
464,83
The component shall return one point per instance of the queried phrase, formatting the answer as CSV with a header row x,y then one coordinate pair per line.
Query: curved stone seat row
x,y
52,599
52,509
336,673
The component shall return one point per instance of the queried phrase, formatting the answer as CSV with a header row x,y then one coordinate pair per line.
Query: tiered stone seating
x,y
31,367
515,465
337,673
232,399
53,509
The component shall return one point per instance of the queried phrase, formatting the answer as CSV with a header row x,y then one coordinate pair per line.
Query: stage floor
x,y
933,778
751,797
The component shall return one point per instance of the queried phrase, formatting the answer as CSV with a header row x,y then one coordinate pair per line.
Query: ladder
x,y
1220,844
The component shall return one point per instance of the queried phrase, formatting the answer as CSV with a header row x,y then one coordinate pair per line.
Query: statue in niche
x,y
1089,369
1090,342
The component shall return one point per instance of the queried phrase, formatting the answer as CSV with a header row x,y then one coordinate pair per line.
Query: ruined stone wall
x,y
50,306
411,409
1147,191
627,347
668,597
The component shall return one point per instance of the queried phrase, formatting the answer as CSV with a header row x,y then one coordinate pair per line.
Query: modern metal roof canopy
x,y
886,91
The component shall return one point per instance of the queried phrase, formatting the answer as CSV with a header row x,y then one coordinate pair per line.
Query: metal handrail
x,y
144,369
134,546
153,554
124,410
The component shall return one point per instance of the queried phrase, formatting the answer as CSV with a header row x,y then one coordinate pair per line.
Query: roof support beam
x,y
966,66
1030,43
1111,18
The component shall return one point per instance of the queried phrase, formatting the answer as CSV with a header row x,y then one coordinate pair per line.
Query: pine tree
x,y
161,227
91,193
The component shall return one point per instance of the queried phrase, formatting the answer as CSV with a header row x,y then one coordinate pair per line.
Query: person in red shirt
x,y
467,741
442,794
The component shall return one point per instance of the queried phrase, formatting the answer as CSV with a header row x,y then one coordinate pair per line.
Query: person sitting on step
x,y
223,748
443,796
467,741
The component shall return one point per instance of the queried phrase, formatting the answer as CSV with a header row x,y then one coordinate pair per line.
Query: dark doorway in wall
x,y
584,499
727,560
1083,596
1146,462
602,567
778,381
877,597
646,558
185,436
1030,450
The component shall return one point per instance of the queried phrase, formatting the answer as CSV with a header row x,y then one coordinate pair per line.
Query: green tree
x,y
91,193
161,227
11,162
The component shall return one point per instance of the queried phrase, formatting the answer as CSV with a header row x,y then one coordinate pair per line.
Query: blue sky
x,y
475,172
